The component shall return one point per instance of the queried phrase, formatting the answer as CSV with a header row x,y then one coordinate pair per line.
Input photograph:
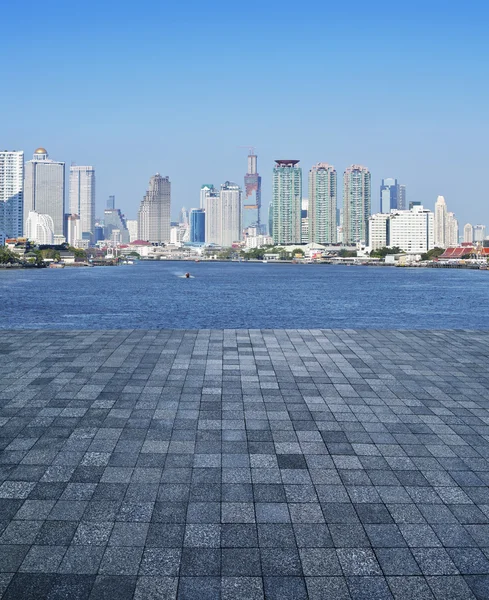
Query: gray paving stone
x,y
244,464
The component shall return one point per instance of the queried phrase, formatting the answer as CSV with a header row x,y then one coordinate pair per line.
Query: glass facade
x,y
197,225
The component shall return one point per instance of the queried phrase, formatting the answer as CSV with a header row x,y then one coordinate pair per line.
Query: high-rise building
x,y
402,201
183,220
154,212
73,231
287,202
479,233
468,233
322,204
111,202
132,228
410,230
197,225
82,198
451,234
44,188
270,219
389,195
114,220
356,204
39,228
252,195
441,215
207,187
11,194
231,226
212,207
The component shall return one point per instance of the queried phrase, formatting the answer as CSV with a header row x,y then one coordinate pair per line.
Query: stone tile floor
x,y
244,465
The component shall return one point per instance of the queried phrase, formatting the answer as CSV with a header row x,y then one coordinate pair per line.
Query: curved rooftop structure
x,y
41,151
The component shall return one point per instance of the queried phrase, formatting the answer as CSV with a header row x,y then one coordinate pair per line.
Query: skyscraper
x,y
468,233
132,228
111,202
252,196
183,220
441,222
402,202
39,228
451,235
82,198
287,202
11,194
197,225
389,195
154,212
479,233
206,187
356,204
44,188
322,204
115,226
212,206
230,199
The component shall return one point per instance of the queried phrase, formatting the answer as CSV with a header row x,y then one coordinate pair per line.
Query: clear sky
x,y
135,88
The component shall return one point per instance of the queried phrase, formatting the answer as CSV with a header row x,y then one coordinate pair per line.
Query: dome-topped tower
x,y
41,151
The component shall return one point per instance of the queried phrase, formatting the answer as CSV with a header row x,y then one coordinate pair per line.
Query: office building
x,y
322,204
305,221
402,200
389,195
356,204
231,225
111,202
183,220
39,228
207,187
451,230
287,202
82,198
479,233
73,231
441,215
410,230
212,207
132,228
44,188
11,194
114,221
468,234
197,226
154,212
270,220
252,194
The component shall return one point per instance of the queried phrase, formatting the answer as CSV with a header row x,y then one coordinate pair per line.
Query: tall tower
x,y
252,195
451,235
356,204
389,195
212,206
154,212
44,188
230,200
441,222
287,202
468,233
322,204
82,198
11,194
401,201
111,202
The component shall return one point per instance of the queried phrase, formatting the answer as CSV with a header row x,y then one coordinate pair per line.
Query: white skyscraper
x,y
230,198
73,231
468,233
441,215
212,206
39,228
154,212
132,227
82,198
451,234
11,194
44,188
479,233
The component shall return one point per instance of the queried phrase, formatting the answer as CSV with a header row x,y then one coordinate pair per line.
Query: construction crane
x,y
251,149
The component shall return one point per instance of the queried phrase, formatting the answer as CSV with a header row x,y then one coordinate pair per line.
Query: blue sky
x,y
139,88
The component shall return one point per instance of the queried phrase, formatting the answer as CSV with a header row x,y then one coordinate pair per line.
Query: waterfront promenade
x,y
244,464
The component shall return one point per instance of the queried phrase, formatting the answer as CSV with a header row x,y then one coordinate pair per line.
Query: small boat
x,y
55,265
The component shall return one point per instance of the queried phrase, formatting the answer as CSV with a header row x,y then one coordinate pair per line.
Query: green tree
x,y
8,257
343,253
433,253
297,251
383,252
